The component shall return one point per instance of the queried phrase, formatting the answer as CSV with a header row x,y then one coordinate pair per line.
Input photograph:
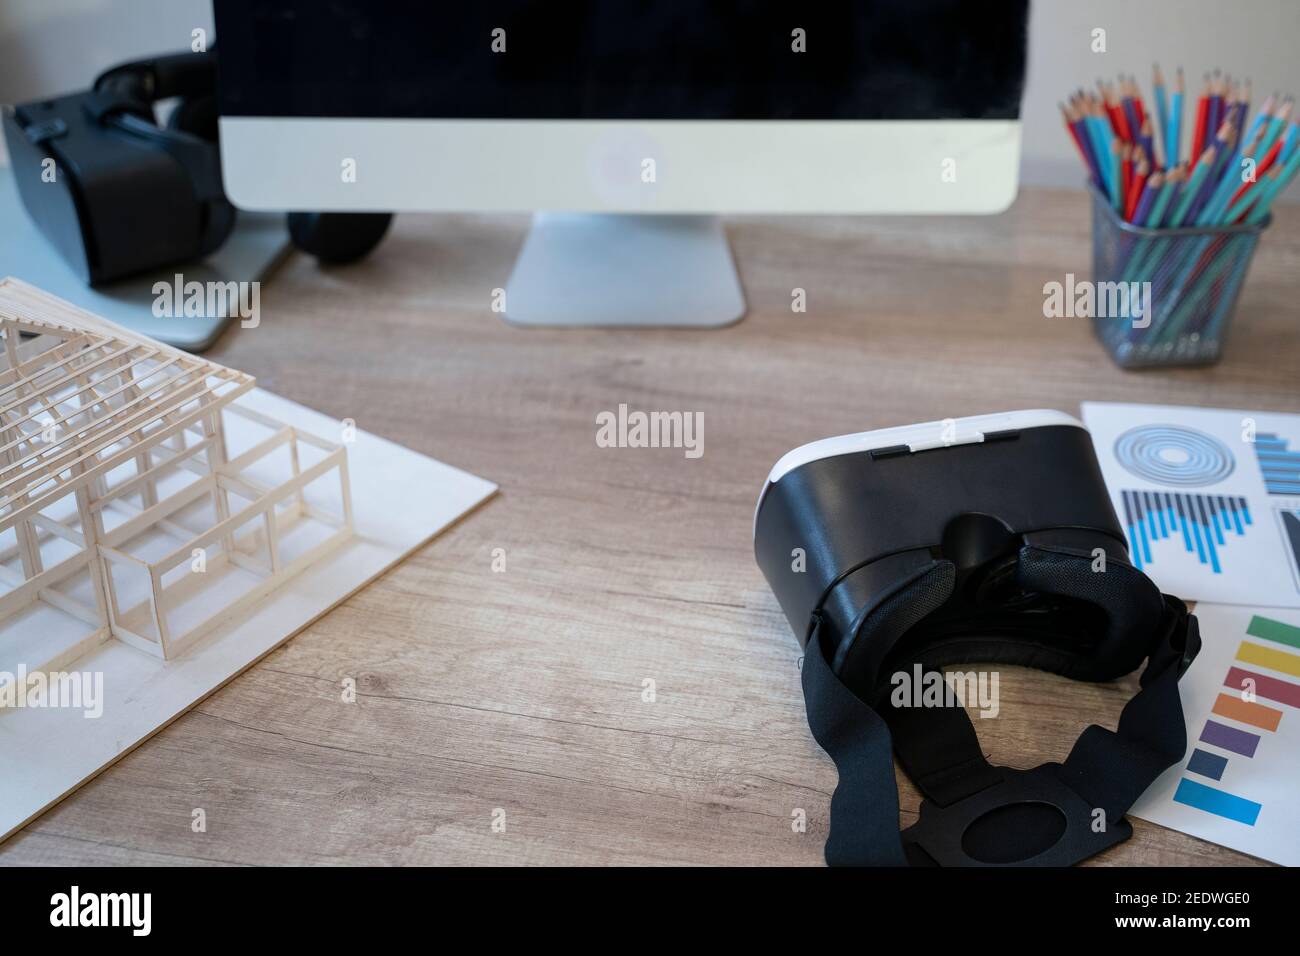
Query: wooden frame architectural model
x,y
165,524
125,512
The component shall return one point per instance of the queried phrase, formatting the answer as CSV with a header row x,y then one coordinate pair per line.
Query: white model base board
x,y
401,499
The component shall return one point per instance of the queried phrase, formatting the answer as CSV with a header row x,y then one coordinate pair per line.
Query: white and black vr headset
x,y
986,539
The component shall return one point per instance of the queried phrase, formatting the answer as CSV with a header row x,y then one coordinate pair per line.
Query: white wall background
x,y
52,46
57,46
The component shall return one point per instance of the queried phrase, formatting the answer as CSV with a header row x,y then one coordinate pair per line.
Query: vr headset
x,y
117,194
992,539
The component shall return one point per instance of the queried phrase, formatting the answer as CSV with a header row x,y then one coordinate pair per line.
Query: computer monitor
x,y
626,127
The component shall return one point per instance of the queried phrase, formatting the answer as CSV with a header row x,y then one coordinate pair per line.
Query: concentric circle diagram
x,y
1172,455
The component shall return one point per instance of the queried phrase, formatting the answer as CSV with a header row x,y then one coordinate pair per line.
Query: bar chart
x,y
1261,684
1279,463
1204,523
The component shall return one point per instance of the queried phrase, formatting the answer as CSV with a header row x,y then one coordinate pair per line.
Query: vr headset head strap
x,y
1104,773
161,77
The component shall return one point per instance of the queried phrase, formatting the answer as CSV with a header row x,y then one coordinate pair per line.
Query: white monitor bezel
x,y
730,166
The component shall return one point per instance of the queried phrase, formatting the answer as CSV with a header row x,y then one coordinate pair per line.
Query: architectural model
x,y
165,524
128,511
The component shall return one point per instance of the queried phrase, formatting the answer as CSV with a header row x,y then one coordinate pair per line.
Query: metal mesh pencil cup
x,y
1195,274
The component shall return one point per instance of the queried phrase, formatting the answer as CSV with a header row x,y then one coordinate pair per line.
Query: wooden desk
x,y
523,690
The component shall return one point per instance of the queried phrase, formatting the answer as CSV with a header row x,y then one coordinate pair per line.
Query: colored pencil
x,y
1126,173
1101,137
1116,175
1222,154
1074,123
1193,187
1262,117
1139,105
1162,155
1243,107
1153,188
1276,124
1118,121
1289,143
1132,113
1155,216
1140,173
1173,152
1147,139
1198,132
1214,108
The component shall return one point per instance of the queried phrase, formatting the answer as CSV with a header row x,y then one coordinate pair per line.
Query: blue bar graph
x,y
1204,522
1279,463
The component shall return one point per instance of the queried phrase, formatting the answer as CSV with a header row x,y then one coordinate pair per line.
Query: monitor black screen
x,y
621,59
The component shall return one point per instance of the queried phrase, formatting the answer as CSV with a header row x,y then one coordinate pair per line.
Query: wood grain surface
x,y
523,690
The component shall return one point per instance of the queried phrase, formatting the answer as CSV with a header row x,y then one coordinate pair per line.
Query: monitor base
x,y
625,270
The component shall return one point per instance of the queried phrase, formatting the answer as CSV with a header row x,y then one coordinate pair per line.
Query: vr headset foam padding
x,y
988,539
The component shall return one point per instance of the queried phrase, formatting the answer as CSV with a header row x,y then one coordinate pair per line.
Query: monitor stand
x,y
603,269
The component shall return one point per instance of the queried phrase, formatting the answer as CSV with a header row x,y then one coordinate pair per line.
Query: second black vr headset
x,y
898,552
117,193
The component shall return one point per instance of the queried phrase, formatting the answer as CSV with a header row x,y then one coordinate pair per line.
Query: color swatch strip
x,y
1247,712
1219,802
1230,738
1261,685
1276,631
1207,764
1272,658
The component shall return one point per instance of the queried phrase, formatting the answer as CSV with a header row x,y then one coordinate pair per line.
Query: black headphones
x,y
129,195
